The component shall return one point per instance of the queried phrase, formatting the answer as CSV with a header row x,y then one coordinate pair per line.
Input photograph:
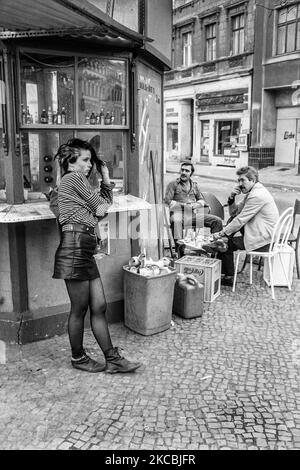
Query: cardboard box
x,y
206,270
288,259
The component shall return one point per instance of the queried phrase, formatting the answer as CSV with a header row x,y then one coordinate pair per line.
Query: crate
x,y
206,270
288,259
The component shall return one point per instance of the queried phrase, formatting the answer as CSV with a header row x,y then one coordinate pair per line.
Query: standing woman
x,y
79,209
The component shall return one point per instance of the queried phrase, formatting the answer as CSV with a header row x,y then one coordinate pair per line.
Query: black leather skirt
x,y
74,257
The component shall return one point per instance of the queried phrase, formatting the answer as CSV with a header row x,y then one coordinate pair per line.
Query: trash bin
x,y
148,302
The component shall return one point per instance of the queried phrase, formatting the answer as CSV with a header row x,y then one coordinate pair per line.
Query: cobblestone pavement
x,y
228,380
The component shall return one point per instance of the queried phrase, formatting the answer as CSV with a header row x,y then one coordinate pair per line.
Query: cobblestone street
x,y
228,380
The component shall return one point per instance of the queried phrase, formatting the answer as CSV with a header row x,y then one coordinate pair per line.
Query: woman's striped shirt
x,y
79,203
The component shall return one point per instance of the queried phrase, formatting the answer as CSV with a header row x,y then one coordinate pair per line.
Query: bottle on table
x,y
87,117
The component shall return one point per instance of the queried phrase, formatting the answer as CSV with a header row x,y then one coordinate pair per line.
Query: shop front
x,y
222,126
97,80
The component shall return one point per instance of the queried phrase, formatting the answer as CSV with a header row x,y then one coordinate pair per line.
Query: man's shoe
x,y
88,364
116,363
227,281
216,245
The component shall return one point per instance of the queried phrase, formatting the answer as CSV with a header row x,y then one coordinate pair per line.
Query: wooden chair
x,y
279,241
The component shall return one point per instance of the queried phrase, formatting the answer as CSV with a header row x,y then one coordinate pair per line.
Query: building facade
x,y
208,92
276,84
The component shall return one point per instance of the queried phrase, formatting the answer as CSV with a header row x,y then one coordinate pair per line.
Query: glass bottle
x,y
63,116
23,114
112,118
49,115
123,117
107,119
44,118
87,117
58,117
29,117
93,118
54,117
101,117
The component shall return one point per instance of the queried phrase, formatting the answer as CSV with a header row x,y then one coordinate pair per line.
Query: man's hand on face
x,y
235,192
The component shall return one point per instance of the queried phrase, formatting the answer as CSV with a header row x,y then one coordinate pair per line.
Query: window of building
x,y
172,138
210,41
238,34
187,49
288,29
226,136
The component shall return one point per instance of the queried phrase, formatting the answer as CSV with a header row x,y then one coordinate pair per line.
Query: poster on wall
x,y
149,128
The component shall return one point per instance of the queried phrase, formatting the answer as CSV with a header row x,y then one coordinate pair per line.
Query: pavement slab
x,y
226,380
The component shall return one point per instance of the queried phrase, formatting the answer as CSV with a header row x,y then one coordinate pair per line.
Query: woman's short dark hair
x,y
70,151
188,164
249,171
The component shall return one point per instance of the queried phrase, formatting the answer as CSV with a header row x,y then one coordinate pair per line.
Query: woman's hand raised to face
x,y
103,170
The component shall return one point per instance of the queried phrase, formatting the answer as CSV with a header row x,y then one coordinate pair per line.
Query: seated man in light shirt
x,y
185,202
255,217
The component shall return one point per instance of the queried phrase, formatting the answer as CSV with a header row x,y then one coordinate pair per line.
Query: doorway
x,y
287,137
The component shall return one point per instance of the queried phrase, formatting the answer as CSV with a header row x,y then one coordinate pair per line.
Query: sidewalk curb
x,y
268,185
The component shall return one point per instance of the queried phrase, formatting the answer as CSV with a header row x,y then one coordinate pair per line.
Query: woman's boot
x,y
116,363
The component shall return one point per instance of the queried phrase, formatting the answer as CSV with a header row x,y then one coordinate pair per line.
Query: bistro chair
x,y
294,239
279,241
215,206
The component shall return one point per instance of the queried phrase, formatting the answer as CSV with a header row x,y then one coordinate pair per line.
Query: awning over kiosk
x,y
64,18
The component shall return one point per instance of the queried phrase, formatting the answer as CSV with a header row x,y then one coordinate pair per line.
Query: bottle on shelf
x,y
107,119
28,116
93,118
49,115
54,117
97,118
23,114
101,117
44,118
87,117
123,117
58,117
63,116
112,118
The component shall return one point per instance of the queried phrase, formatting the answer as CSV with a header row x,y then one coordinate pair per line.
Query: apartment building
x,y
208,92
276,84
